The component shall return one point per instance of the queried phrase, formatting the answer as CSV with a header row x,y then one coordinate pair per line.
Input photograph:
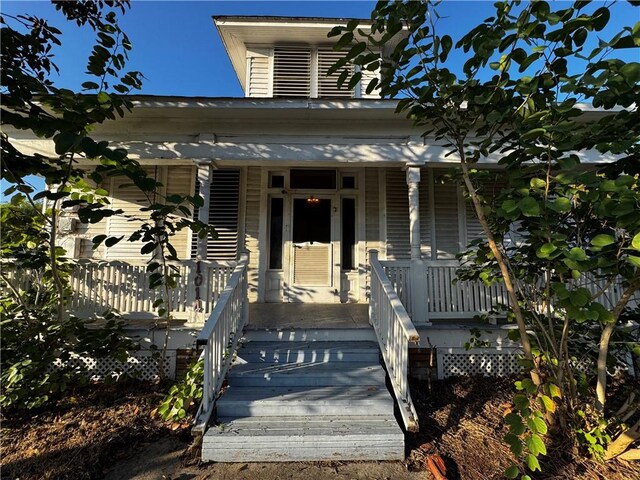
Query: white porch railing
x,y
220,339
394,331
98,285
465,299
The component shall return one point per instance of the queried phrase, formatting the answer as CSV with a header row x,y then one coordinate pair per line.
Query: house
x,y
337,200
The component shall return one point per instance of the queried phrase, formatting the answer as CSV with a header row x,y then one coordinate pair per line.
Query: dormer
x,y
283,57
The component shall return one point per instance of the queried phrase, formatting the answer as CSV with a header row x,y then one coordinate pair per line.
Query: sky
x,y
177,48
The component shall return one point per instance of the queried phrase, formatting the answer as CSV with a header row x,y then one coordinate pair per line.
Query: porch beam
x,y
418,271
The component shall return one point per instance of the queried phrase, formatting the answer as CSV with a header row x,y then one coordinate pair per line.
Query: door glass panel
x,y
311,220
275,233
348,244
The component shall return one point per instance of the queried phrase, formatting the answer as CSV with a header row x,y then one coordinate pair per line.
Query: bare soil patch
x,y
108,432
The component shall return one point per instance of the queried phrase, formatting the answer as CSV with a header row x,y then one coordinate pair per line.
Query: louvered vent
x,y
291,72
328,84
224,199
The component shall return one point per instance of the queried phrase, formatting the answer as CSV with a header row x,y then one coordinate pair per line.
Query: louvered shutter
x,y
258,66
224,200
446,218
425,213
328,84
397,200
291,72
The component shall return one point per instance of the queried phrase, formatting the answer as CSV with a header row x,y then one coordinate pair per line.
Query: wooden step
x,y
304,438
305,352
307,374
312,335
305,401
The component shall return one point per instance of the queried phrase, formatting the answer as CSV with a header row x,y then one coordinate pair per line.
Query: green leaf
x,y
635,242
511,472
577,254
561,205
633,260
509,206
103,98
529,207
546,250
521,402
535,445
533,134
537,183
532,463
515,445
602,240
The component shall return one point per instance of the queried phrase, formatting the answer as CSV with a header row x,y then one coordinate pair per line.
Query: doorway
x,y
311,259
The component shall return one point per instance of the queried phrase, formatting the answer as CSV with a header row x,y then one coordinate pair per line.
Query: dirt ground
x,y
108,433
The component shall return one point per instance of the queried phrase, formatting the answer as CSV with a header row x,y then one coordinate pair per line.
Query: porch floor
x,y
308,315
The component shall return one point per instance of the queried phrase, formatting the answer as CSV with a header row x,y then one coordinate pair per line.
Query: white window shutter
x,y
445,203
224,203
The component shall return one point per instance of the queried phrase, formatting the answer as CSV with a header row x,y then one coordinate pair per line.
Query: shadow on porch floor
x,y
308,315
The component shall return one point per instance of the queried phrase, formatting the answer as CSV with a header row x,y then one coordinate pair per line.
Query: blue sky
x,y
176,46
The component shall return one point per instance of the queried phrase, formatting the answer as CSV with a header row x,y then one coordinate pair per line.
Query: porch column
x,y
418,271
204,179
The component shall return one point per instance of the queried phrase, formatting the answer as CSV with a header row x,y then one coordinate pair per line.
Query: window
x,y
276,209
309,178
328,84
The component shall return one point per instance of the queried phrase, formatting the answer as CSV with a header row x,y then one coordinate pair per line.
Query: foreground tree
x,y
34,297
528,71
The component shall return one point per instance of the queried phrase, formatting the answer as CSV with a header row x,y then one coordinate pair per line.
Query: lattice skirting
x,y
144,365
487,362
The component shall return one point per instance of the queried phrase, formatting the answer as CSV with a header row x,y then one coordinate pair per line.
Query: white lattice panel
x,y
489,362
143,365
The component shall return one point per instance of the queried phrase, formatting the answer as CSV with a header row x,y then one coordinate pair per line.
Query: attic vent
x,y
291,72
328,85
224,200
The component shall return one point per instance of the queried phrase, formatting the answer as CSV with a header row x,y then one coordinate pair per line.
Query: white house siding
x,y
259,72
252,227
180,181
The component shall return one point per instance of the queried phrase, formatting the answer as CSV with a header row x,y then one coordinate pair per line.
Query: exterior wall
x,y
177,179
252,227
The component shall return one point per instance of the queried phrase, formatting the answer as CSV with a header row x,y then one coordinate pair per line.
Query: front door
x,y
312,256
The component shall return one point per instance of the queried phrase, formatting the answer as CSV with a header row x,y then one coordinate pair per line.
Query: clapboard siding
x,y
367,77
397,200
130,199
259,67
252,226
179,181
